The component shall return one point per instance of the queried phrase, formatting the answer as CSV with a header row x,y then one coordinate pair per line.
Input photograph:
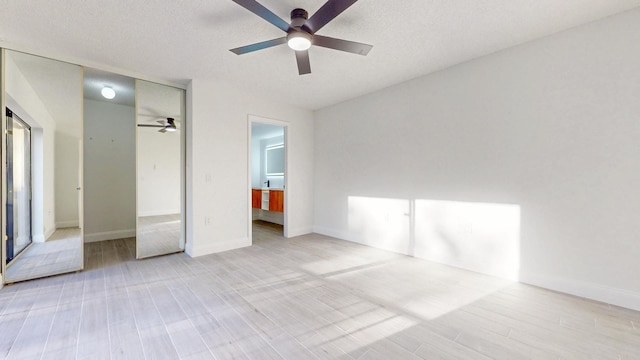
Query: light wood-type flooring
x,y
309,297
60,253
158,235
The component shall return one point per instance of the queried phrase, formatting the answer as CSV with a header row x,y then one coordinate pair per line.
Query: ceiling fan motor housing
x,y
298,17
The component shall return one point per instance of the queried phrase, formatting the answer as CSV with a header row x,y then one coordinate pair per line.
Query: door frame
x,y
3,191
251,119
15,118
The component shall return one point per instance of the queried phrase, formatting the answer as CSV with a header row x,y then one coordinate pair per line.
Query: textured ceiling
x,y
178,40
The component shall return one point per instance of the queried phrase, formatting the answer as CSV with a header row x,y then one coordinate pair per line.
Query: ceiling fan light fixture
x,y
108,92
299,40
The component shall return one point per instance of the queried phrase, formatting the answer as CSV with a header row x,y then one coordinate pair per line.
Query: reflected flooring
x,y
158,234
60,253
309,297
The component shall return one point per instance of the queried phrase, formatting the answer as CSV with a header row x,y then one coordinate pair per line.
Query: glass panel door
x,y
18,164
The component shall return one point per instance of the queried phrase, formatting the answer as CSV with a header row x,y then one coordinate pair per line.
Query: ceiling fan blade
x,y
342,45
304,66
162,131
264,13
160,122
149,125
259,46
326,13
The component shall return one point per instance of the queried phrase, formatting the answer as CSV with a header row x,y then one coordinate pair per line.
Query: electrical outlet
x,y
207,220
207,177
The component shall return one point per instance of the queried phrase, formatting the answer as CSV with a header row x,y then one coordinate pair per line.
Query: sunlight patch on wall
x,y
476,236
379,222
483,237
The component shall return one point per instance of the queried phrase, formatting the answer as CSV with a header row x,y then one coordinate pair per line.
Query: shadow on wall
x,y
482,237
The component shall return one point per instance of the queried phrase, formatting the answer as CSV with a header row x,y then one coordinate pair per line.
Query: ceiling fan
x,y
301,33
169,126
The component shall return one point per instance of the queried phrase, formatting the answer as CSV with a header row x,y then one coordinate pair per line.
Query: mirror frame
x,y
3,195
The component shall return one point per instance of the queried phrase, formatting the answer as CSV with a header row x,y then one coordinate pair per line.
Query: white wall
x,y
158,172
256,163
546,135
67,160
109,171
218,200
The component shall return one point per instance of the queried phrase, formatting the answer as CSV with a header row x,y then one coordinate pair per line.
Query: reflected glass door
x,y
18,164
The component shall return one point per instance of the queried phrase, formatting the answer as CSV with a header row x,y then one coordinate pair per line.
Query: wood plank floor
x,y
60,253
158,235
310,297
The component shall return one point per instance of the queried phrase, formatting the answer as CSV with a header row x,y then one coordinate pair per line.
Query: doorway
x,y
267,176
18,170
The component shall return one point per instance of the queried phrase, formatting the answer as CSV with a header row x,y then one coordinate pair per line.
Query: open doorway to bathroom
x,y
267,178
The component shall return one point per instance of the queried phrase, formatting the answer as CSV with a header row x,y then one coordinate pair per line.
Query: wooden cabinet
x,y
276,200
256,198
272,200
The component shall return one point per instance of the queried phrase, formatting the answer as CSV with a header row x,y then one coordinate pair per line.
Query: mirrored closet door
x,y
160,112
42,180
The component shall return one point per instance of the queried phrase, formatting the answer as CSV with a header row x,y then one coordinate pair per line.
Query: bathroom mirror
x,y
275,160
42,182
160,162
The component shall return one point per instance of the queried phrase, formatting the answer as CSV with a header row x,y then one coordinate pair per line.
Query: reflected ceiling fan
x,y
301,33
168,125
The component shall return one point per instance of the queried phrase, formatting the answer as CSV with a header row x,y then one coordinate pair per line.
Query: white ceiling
x,y
177,41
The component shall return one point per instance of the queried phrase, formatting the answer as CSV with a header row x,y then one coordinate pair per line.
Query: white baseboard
x,y
342,235
49,233
38,238
610,295
218,246
109,235
299,231
67,224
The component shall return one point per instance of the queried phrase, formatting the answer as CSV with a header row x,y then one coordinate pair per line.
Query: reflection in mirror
x,y
160,116
42,142
109,161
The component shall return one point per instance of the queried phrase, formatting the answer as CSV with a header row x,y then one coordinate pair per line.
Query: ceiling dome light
x,y
299,40
108,92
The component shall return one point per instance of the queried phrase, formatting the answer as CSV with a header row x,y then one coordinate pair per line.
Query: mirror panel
x,y
42,183
109,163
160,164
